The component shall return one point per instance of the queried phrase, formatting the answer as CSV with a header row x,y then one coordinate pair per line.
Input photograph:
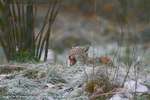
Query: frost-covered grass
x,y
3,91
34,74
45,81
59,82
32,83
54,76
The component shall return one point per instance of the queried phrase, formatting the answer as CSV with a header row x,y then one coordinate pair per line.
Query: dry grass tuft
x,y
99,86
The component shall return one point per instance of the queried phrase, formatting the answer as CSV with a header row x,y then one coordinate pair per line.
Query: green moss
x,y
143,97
10,69
24,56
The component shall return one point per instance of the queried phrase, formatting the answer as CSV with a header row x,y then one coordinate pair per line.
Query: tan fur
x,y
79,53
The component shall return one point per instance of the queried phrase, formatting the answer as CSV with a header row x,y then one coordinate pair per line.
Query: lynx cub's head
x,y
77,54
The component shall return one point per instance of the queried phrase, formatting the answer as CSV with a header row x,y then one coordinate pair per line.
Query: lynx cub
x,y
80,54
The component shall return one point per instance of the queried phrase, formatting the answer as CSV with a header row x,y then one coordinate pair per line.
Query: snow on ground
x,y
47,81
60,83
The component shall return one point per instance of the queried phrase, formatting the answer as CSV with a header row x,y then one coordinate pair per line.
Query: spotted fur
x,y
79,53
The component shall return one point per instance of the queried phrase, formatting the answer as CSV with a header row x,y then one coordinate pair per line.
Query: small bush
x,y
21,43
24,56
99,86
90,86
